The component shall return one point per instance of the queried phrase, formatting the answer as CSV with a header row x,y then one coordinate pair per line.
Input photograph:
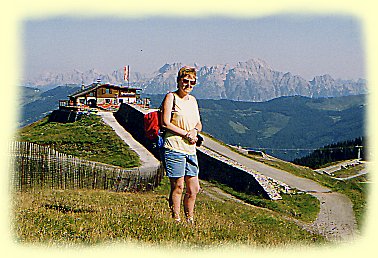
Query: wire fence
x,y
36,166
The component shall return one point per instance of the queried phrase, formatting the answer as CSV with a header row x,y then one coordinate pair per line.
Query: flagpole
x,y
124,75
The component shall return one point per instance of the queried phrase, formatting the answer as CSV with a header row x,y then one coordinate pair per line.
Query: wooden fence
x,y
36,166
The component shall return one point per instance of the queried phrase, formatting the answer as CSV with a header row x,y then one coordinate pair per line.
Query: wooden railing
x,y
36,166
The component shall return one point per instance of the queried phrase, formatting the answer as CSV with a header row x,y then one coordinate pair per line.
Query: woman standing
x,y
181,119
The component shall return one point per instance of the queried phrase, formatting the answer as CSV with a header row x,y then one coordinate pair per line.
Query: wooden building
x,y
103,96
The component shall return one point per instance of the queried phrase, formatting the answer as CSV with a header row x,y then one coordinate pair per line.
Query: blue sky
x,y
303,45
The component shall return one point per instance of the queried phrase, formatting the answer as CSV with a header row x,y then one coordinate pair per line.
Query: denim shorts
x,y
178,164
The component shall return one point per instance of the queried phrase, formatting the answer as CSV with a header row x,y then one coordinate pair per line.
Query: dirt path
x,y
335,220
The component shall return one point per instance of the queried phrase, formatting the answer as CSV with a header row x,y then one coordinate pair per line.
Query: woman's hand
x,y
192,136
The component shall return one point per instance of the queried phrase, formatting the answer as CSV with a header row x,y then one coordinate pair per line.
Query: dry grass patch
x,y
91,217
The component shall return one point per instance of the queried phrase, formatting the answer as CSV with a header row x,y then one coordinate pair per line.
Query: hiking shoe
x,y
190,220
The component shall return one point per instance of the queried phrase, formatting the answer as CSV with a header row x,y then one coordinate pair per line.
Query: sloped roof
x,y
85,90
93,87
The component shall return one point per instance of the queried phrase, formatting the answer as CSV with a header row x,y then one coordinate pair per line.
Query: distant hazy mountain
x,y
253,80
36,104
51,80
29,95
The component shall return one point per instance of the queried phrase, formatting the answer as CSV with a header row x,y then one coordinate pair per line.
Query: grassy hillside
x,y
89,138
91,217
94,217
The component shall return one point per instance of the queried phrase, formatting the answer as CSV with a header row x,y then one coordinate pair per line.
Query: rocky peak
x,y
325,79
170,67
252,80
258,64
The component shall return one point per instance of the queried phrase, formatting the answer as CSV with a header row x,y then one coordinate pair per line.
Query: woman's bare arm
x,y
166,116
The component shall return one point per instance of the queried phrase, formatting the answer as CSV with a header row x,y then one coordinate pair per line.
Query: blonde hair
x,y
186,70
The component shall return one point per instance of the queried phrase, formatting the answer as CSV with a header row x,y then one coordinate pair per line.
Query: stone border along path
x,y
336,219
271,187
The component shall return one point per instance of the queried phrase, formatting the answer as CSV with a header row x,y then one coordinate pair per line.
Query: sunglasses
x,y
189,82
189,69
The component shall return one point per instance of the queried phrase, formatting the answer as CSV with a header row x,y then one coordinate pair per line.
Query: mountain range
x,y
253,80
248,104
286,127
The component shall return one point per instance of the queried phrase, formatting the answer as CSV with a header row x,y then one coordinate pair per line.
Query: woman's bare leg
x,y
177,187
192,189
